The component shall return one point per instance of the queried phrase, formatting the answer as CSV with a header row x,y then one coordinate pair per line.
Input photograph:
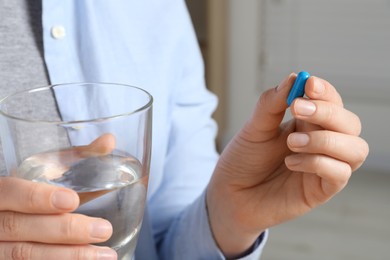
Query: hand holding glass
x,y
94,138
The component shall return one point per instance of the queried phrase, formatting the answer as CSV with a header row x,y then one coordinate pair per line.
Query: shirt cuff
x,y
254,252
192,237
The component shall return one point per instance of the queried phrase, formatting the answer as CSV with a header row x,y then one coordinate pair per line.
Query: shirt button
x,y
77,127
58,32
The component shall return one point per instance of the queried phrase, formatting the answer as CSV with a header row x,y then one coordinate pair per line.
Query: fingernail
x,y
64,200
100,228
283,84
293,160
304,107
106,254
298,140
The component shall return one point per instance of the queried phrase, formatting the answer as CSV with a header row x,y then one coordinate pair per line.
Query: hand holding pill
x,y
298,89
280,169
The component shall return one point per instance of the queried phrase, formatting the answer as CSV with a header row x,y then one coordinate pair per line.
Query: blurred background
x,y
250,45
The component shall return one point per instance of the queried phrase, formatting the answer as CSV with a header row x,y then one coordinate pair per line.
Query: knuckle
x,y
75,229
329,141
10,225
317,162
69,227
22,251
329,113
33,197
81,253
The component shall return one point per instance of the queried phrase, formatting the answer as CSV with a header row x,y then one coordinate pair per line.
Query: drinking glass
x,y
94,138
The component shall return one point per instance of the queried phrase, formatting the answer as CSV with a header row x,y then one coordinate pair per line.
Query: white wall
x,y
243,64
270,38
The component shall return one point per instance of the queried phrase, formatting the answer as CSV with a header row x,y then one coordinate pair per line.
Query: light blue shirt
x,y
152,45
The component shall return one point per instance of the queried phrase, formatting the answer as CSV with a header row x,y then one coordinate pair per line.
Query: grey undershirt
x,y
21,49
21,46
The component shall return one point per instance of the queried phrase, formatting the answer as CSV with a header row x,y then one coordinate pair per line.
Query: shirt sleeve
x,y
191,237
177,209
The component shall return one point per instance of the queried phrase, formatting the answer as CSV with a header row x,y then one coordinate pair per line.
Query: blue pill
x,y
298,89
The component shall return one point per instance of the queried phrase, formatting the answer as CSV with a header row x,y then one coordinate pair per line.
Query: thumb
x,y
102,145
269,111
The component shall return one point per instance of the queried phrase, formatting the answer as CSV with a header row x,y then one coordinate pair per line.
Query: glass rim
x,y
71,122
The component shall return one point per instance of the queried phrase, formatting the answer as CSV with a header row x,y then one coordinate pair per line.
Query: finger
x,y
53,229
35,251
269,111
103,145
320,89
56,163
32,197
326,115
350,149
335,173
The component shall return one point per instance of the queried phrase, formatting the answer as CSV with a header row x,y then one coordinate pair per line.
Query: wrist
x,y
231,237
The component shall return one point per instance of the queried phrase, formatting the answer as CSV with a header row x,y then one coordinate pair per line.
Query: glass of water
x,y
94,138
